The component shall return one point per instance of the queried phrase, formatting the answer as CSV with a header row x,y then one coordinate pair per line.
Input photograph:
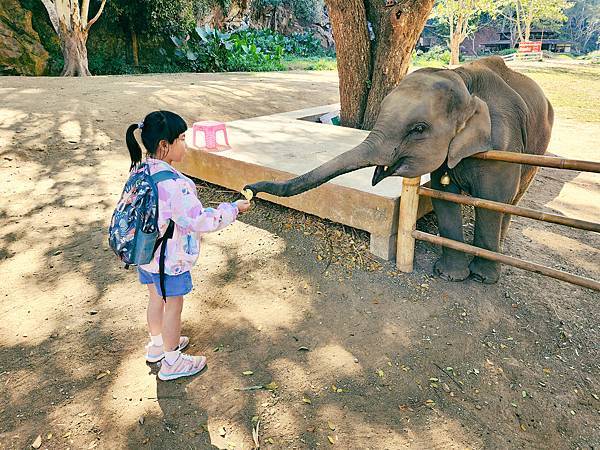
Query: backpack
x,y
133,232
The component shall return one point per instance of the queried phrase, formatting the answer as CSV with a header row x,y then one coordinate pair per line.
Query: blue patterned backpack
x,y
133,232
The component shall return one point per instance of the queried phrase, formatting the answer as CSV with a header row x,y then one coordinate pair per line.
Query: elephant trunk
x,y
357,158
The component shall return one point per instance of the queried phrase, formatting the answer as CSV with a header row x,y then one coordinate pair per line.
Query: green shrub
x,y
210,50
437,55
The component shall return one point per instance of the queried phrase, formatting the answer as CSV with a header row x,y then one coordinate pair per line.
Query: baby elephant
x,y
432,122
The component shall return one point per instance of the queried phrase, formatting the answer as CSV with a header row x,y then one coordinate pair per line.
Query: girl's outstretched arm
x,y
177,202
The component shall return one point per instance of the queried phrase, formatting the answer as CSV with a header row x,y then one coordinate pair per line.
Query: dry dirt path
x,y
393,360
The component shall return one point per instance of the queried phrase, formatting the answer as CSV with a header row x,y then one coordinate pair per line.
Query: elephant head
x,y
428,119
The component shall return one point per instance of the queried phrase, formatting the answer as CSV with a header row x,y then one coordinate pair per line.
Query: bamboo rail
x,y
539,160
510,209
510,260
407,217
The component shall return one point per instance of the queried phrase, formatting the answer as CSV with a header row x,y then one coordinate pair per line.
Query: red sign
x,y
530,46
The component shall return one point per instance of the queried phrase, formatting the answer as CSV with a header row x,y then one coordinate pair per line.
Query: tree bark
x,y
454,50
397,30
135,48
353,53
74,52
370,69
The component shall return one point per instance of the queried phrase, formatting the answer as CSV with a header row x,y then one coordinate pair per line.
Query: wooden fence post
x,y
407,221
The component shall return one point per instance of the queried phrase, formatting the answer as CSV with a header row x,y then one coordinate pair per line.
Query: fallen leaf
x,y
271,386
434,380
547,370
523,427
380,373
145,441
38,442
524,394
270,441
307,400
49,436
334,388
331,440
303,349
331,426
102,375
248,372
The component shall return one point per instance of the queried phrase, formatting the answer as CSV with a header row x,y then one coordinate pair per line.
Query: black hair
x,y
157,126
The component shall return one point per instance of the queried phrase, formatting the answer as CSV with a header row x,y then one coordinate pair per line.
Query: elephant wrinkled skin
x,y
431,123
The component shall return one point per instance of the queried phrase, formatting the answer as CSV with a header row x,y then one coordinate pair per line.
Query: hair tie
x,y
140,125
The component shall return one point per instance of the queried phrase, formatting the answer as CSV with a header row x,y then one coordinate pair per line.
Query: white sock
x,y
157,340
171,357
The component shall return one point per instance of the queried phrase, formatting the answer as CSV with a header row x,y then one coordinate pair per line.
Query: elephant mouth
x,y
382,172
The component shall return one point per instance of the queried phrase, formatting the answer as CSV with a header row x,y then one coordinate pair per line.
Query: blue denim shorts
x,y
175,285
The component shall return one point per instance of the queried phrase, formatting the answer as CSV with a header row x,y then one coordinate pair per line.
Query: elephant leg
x,y
487,235
504,228
526,179
491,226
453,265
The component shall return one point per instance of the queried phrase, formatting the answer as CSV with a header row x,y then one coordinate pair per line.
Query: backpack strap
x,y
162,241
164,175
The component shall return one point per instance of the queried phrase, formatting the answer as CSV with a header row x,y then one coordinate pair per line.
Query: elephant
x,y
431,123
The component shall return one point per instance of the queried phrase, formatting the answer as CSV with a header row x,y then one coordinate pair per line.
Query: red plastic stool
x,y
209,128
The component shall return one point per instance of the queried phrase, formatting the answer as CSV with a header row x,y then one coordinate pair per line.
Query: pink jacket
x,y
177,200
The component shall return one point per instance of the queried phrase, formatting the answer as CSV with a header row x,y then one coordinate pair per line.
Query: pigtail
x,y
135,151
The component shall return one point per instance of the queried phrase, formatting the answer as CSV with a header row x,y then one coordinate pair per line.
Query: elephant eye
x,y
419,128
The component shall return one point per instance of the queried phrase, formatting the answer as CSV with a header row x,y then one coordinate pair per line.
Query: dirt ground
x,y
356,355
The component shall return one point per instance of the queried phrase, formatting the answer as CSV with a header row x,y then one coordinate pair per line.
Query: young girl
x,y
162,133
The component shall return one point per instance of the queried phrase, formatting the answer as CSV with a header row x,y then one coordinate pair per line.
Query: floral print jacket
x,y
177,200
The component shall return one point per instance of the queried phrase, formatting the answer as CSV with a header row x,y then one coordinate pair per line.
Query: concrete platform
x,y
280,146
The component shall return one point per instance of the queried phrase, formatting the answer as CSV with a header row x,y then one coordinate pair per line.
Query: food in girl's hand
x,y
248,194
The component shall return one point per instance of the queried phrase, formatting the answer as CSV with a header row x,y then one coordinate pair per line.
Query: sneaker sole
x,y
160,358
182,374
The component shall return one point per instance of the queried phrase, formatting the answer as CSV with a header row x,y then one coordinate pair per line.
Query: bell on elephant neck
x,y
445,180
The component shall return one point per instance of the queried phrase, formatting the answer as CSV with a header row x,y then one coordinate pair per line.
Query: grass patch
x,y
310,63
574,91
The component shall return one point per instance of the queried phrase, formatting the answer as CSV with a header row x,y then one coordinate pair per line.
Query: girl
x,y
163,136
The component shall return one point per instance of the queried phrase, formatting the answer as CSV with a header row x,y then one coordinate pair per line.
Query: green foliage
x,y
436,56
310,63
305,11
526,14
210,50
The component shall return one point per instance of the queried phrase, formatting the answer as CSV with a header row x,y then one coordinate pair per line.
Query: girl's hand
x,y
242,205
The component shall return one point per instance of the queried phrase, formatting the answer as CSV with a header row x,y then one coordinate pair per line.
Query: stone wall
x,y
21,52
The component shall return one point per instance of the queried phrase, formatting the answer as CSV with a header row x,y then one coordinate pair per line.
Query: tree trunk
x,y
369,70
397,30
135,48
353,51
74,52
454,50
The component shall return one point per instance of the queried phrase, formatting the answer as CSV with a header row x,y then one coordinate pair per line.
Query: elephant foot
x,y
450,272
484,270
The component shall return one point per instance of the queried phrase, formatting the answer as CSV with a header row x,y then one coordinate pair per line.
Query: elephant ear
x,y
474,132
